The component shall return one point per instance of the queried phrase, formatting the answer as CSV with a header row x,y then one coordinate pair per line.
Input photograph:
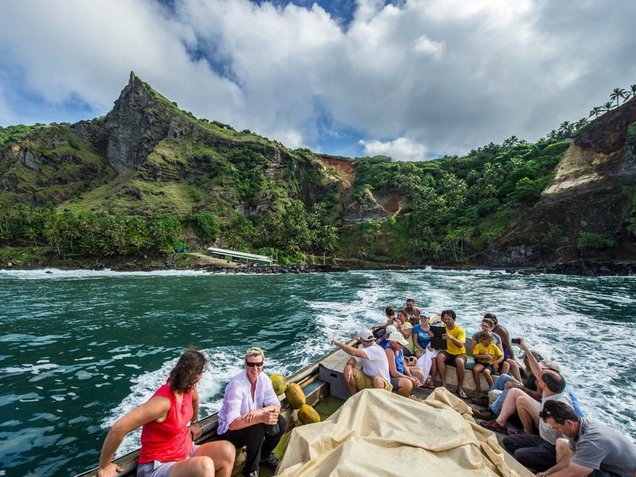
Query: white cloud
x,y
402,149
429,47
451,74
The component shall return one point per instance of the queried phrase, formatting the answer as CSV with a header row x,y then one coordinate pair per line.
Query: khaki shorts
x,y
365,382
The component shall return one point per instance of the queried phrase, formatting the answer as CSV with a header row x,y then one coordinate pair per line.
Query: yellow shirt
x,y
492,349
459,333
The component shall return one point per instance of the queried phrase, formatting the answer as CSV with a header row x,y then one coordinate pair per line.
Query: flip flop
x,y
494,426
461,393
429,384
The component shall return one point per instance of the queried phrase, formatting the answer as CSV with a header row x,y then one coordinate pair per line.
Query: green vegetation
x,y
14,133
213,185
457,205
595,241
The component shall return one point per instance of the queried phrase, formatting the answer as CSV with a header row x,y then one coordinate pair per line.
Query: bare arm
x,y
505,340
390,356
532,361
265,415
571,470
357,352
195,429
155,409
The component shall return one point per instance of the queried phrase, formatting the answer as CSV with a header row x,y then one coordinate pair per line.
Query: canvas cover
x,y
377,433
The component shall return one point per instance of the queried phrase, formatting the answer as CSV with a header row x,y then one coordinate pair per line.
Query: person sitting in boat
x,y
405,327
488,357
411,311
591,448
375,366
379,330
455,352
504,383
537,452
425,354
509,352
166,441
509,366
250,414
403,377
384,341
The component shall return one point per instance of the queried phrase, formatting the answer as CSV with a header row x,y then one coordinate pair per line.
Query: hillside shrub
x,y
595,241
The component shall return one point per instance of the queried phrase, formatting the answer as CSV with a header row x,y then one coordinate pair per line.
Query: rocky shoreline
x,y
581,267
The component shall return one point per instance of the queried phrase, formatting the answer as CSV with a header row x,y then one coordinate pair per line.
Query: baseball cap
x,y
398,338
390,329
366,334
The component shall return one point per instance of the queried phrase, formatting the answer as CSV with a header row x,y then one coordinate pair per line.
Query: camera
x,y
516,340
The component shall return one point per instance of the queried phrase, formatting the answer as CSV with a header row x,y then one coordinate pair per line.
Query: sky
x,y
412,79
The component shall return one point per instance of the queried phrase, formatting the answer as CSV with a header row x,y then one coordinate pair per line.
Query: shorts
x,y
365,382
160,469
450,358
487,367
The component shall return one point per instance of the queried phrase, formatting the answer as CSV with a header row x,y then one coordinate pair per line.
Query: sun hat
x,y
366,334
398,338
548,364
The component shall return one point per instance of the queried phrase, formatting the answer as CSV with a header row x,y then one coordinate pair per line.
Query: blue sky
x,y
412,79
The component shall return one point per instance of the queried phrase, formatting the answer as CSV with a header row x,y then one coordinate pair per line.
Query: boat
x,y
323,384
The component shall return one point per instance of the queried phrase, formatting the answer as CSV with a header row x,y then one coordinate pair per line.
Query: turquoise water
x,y
79,349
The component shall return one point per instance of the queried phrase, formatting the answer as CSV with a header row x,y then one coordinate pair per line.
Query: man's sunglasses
x,y
251,365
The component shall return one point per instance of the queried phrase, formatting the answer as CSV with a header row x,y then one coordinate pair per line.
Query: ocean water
x,y
78,349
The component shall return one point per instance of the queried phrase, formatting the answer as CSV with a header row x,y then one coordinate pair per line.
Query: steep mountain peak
x,y
137,123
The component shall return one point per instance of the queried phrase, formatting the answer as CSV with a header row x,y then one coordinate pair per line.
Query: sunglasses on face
x,y
252,365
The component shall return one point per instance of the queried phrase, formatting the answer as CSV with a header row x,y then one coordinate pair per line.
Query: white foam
x,y
57,274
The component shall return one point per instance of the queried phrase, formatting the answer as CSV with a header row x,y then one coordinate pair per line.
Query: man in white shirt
x,y
250,414
375,366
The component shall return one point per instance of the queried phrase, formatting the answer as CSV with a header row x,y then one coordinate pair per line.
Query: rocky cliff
x,y
591,196
147,156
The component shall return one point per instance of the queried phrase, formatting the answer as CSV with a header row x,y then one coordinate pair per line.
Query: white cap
x,y
398,338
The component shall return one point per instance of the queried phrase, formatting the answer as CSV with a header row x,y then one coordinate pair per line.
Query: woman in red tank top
x,y
167,449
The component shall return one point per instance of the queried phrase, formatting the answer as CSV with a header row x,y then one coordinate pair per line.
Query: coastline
x,y
195,262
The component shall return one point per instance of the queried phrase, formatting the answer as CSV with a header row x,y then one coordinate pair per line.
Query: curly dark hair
x,y
184,375
389,311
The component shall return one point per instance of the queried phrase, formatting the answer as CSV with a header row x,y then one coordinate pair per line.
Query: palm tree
x,y
596,111
617,94
608,106
632,90
564,127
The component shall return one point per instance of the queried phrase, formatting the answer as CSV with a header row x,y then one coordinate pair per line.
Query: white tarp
x,y
376,433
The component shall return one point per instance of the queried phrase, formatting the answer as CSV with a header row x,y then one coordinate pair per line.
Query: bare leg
x,y
211,459
350,382
476,370
433,371
405,386
514,369
441,367
417,372
505,368
459,366
488,377
509,407
528,410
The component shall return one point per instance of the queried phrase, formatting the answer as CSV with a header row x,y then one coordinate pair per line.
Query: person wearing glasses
x,y
250,414
166,440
